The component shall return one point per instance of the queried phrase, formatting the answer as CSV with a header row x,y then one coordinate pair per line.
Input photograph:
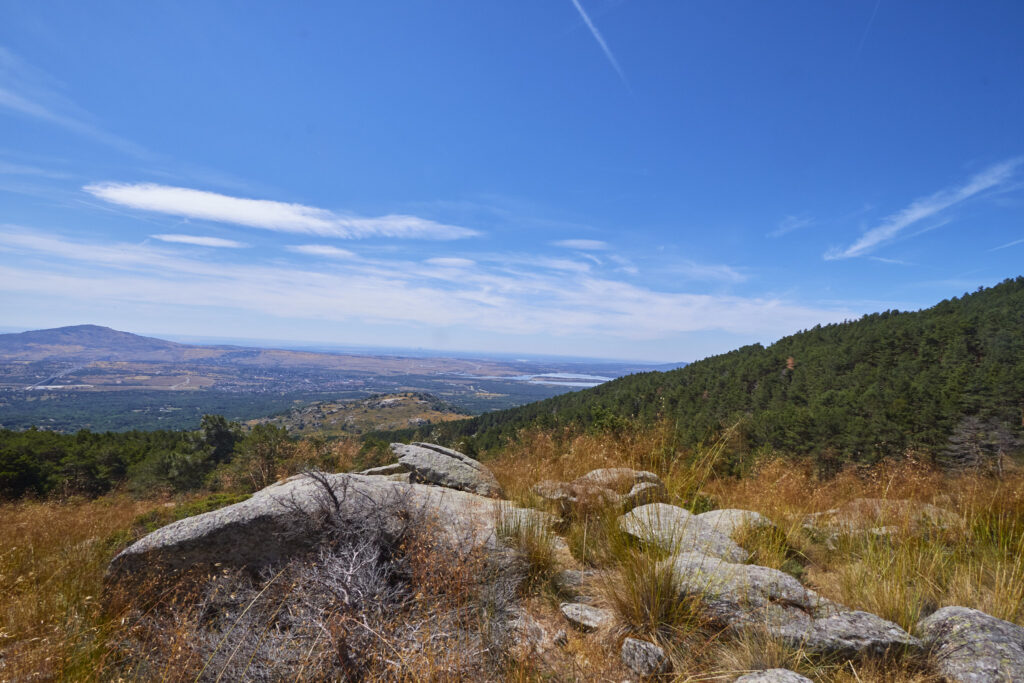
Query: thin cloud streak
x,y
201,241
600,41
23,89
7,168
582,245
270,215
1007,245
926,207
451,262
321,250
790,224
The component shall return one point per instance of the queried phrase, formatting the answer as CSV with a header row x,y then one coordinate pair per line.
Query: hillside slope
x,y
861,390
86,342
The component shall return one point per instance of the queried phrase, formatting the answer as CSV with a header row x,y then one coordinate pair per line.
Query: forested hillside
x,y
948,380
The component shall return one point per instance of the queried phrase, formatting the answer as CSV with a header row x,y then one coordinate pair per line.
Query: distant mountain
x,y
948,380
87,343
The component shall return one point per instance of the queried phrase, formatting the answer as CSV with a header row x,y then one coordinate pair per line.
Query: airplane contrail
x,y
600,41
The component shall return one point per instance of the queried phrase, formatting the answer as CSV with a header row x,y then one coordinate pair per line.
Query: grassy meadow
x,y
57,622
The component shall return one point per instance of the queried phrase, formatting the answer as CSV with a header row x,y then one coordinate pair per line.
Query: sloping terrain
x,y
948,379
381,412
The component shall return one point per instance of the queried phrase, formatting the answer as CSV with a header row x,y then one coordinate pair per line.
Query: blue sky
x,y
620,179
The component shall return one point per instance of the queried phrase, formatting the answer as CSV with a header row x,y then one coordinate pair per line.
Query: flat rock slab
x,y
440,466
285,519
618,479
864,514
611,486
773,676
585,617
386,470
644,658
854,632
970,646
743,597
675,530
729,522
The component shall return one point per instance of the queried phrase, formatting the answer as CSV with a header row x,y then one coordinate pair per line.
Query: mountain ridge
x,y
882,385
85,342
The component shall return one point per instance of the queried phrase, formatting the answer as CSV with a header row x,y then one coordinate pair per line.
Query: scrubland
x,y
59,621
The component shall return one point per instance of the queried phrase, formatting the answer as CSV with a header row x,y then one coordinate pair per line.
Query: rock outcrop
x,y
432,464
675,530
644,658
729,522
742,597
292,516
453,499
613,486
881,516
969,646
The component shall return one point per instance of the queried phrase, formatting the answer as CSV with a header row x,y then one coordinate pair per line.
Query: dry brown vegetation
x,y
52,560
902,576
56,622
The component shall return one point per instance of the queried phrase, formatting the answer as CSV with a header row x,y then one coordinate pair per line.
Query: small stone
x,y
561,638
585,617
644,658
570,582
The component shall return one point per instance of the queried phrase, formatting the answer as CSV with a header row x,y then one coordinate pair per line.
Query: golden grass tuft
x,y
52,560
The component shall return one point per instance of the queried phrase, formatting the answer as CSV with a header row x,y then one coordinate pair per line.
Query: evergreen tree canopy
x,y
860,390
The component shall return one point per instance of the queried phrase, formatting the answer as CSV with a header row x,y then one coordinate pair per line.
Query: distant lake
x,y
562,379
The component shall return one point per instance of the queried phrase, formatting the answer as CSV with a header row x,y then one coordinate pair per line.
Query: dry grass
x,y
533,541
914,570
902,576
52,560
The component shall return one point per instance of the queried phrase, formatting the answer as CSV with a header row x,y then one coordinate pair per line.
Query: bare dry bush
x,y
375,602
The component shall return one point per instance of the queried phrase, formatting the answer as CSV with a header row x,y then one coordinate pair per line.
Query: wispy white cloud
x,y
562,264
582,245
269,214
7,168
891,261
600,41
29,92
707,272
321,250
926,207
200,241
791,224
488,297
451,262
1007,245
